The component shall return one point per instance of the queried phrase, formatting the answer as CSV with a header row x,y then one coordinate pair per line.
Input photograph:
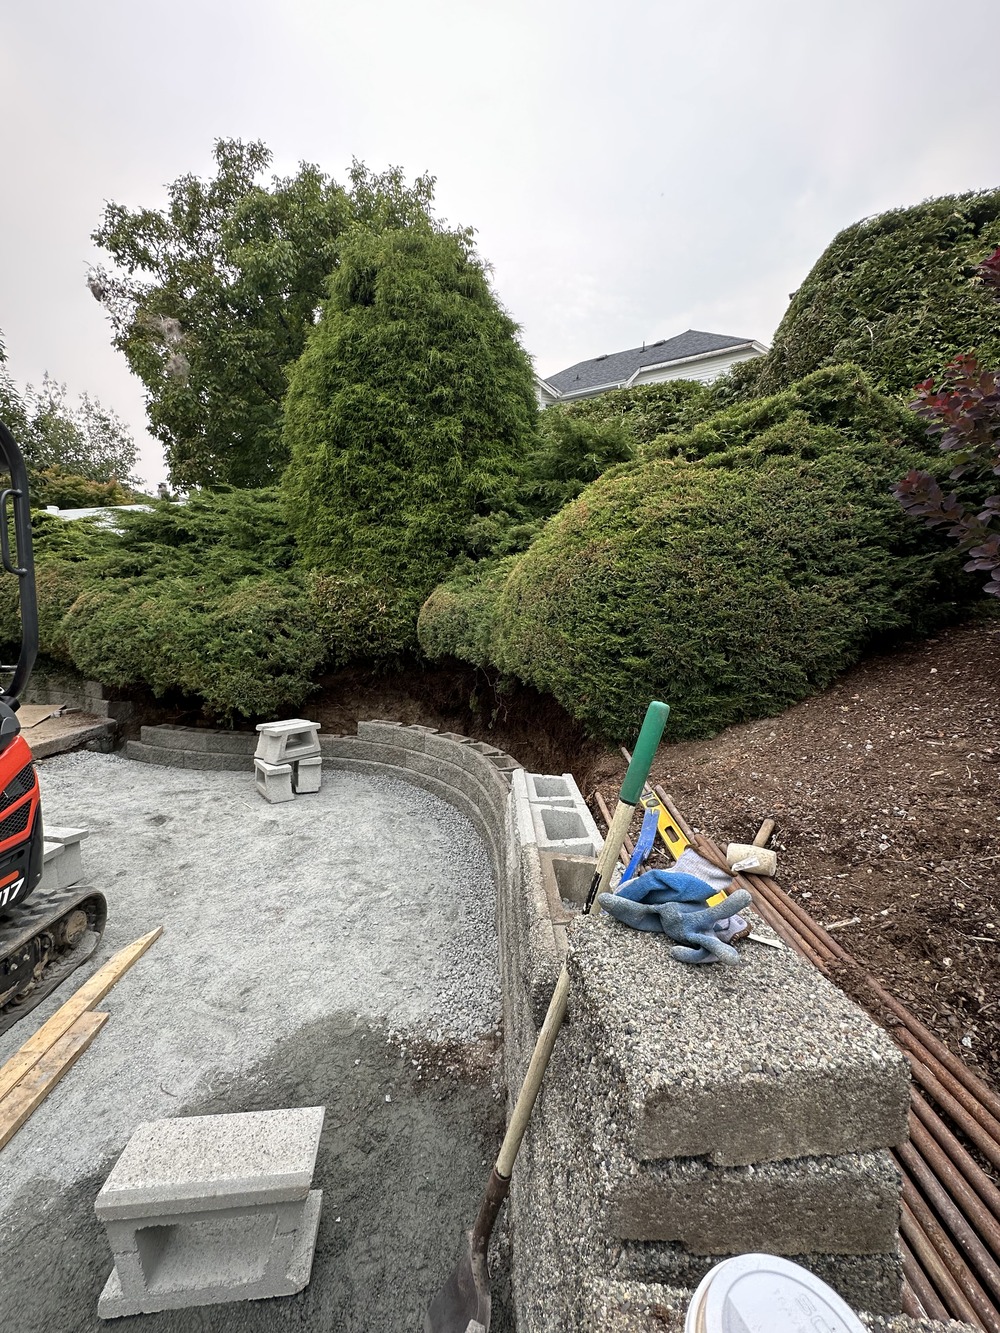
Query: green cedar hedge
x,y
895,293
407,417
732,571
199,600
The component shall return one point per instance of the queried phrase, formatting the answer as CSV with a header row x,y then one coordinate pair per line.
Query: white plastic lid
x,y
760,1293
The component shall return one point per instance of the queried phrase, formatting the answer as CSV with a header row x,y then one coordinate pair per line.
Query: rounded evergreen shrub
x,y
731,572
896,293
406,418
459,617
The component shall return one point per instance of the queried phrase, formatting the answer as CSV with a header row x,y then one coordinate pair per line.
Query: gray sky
x,y
632,170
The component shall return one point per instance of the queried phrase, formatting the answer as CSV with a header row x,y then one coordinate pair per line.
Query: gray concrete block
x,y
771,1060
274,781
154,754
209,1260
307,774
284,742
65,834
549,789
62,864
171,737
561,828
871,1282
826,1205
382,733
442,744
217,1161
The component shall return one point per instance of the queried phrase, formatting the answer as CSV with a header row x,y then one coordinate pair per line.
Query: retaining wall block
x,y
823,1205
154,754
172,737
771,1061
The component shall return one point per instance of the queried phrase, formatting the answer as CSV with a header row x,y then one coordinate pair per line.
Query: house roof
x,y
616,368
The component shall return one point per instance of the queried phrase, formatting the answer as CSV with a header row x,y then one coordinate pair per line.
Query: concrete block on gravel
x,y
826,1205
771,1060
206,1209
307,775
274,781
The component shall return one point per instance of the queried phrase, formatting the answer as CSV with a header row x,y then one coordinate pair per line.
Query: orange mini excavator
x,y
44,939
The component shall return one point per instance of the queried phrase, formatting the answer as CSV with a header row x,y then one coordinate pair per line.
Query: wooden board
x,y
36,1085
82,1000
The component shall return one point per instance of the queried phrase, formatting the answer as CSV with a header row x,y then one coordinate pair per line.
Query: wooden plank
x,y
36,1085
88,995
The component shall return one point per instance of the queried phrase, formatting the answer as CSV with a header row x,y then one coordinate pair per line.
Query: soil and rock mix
x,y
886,793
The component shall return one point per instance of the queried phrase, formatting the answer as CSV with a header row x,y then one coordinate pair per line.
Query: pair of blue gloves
x,y
674,902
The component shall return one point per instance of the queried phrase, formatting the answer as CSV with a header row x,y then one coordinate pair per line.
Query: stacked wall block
x,y
689,1113
201,1210
62,858
89,696
471,775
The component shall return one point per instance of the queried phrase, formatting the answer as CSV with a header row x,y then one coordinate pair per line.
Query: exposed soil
x,y
886,795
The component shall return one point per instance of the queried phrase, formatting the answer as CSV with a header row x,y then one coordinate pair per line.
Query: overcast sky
x,y
632,170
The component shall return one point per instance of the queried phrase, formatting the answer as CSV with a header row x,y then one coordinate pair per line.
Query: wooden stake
x,y
90,994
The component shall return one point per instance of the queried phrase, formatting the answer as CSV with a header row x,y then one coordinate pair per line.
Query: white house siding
x,y
705,369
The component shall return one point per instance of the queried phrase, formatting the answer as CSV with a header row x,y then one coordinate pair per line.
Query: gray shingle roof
x,y
619,366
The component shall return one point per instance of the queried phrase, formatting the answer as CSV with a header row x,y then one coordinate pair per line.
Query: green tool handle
x,y
645,748
631,790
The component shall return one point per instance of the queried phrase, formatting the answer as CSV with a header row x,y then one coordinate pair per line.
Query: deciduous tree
x,y
211,298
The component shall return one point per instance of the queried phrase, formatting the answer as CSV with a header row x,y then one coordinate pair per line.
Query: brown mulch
x,y
886,793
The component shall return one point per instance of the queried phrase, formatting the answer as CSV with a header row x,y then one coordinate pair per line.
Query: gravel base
x,y
370,898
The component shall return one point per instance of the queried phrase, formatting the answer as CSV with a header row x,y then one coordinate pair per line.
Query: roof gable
x,y
618,367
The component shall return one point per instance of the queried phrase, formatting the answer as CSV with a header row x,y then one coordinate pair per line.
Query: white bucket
x,y
762,1291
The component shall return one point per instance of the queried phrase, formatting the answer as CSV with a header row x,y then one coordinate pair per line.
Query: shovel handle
x,y
635,778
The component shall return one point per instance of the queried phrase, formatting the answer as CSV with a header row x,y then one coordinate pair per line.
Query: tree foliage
x,y
897,294
211,298
407,417
963,414
731,570
74,455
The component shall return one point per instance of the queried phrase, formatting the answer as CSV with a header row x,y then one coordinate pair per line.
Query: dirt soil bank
x,y
886,792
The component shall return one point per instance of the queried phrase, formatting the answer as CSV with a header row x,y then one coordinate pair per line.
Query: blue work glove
x,y
665,886
689,925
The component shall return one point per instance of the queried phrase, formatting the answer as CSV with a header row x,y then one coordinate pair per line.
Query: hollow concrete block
x,y
206,1209
274,781
307,774
284,742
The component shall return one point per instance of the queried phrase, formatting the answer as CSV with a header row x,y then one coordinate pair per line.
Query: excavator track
x,y
42,942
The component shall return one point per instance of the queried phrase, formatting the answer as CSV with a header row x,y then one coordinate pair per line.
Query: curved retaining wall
x,y
689,1112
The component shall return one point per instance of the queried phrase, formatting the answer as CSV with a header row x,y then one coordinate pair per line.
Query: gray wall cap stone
x,y
771,1060
195,1163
